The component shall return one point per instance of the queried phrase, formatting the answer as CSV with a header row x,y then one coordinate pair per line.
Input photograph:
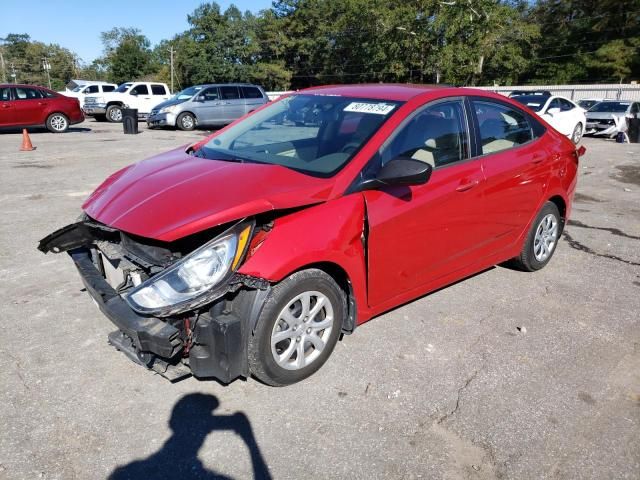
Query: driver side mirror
x,y
199,98
553,111
134,93
400,171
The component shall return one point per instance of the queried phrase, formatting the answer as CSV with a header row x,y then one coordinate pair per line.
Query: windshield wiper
x,y
218,155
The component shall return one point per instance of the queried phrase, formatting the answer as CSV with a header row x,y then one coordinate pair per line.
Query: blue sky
x,y
76,25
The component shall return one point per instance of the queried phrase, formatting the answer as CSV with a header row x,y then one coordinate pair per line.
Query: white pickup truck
x,y
141,95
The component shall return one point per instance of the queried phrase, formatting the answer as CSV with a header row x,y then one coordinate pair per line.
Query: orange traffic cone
x,y
26,142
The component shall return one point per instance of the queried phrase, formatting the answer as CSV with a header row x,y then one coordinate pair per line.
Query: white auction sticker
x,y
376,108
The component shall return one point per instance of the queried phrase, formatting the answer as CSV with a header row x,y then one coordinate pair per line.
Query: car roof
x,y
378,91
232,84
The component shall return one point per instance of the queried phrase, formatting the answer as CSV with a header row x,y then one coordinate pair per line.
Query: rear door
x,y
253,98
159,93
420,233
232,104
6,107
29,106
515,166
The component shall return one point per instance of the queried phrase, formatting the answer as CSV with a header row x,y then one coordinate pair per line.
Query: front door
x,y
143,100
207,107
420,233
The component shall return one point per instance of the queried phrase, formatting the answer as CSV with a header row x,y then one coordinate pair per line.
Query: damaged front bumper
x,y
208,342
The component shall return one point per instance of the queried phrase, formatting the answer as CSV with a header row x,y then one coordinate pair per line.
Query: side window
x,y
46,94
210,94
437,136
5,94
501,127
158,90
229,93
565,105
24,93
250,92
555,103
140,90
92,89
635,108
108,88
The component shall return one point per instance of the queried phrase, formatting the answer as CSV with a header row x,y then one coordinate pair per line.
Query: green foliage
x,y
297,43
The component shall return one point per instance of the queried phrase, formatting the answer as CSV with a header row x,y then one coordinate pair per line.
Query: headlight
x,y
168,109
193,279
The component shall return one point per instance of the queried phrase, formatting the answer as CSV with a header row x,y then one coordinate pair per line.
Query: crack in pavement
x,y
575,244
613,231
18,368
460,390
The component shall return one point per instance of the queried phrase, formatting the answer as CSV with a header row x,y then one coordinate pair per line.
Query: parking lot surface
x,y
503,375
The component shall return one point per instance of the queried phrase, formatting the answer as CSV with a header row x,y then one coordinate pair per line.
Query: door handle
x,y
42,103
6,106
467,186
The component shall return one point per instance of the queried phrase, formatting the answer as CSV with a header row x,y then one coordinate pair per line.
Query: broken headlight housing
x,y
195,279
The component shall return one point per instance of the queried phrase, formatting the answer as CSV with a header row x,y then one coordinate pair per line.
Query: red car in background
x,y
24,106
250,252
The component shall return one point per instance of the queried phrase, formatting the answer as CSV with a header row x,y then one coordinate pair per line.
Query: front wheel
x,y
576,136
57,123
298,328
541,240
114,114
186,121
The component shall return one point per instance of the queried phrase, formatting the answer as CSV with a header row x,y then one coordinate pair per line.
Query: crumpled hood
x,y
174,194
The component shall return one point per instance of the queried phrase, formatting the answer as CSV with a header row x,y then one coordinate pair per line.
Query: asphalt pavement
x,y
505,375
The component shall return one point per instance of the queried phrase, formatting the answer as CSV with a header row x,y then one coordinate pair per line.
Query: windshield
x,y
313,134
187,93
618,107
534,102
123,88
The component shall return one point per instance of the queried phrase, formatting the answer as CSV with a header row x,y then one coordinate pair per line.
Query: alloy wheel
x,y
115,114
302,330
577,134
546,237
187,122
58,123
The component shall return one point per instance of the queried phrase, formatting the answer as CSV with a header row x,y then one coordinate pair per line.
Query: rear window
x,y
158,90
108,88
229,93
250,92
534,102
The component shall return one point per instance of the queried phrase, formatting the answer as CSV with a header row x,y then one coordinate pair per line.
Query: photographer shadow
x,y
191,422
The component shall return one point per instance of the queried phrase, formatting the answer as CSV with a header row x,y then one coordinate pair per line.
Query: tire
x,y
277,362
114,114
576,136
57,123
541,241
186,121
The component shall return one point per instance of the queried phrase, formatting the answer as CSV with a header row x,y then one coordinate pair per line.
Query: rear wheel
x,y
298,328
114,113
186,121
576,136
57,123
541,240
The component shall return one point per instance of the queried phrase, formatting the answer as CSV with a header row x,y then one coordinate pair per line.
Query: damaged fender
x,y
332,232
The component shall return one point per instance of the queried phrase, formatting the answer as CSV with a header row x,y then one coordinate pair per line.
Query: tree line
x,y
300,43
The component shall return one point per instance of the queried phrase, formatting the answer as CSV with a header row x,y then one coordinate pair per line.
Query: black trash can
x,y
130,121
634,130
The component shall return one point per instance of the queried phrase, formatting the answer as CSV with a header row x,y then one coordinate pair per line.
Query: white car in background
x,y
89,88
561,113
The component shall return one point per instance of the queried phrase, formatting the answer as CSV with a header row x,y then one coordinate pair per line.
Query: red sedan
x,y
250,252
31,106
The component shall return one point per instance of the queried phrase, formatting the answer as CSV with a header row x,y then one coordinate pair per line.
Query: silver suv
x,y
212,104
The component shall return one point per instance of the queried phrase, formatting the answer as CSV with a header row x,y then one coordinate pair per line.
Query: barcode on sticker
x,y
376,108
